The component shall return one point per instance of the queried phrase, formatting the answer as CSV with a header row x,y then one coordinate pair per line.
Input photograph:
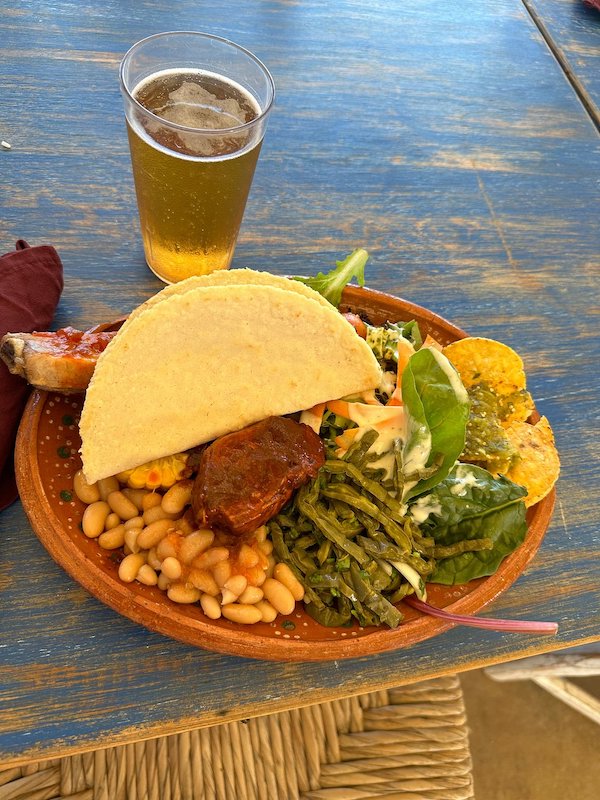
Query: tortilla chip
x,y
480,360
538,465
211,360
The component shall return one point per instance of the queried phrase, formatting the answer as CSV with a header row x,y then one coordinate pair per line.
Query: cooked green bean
x,y
464,546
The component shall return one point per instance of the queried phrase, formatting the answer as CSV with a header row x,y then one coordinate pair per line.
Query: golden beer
x,y
195,131
191,188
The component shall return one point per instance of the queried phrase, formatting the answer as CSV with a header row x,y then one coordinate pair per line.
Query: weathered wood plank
x,y
447,141
572,30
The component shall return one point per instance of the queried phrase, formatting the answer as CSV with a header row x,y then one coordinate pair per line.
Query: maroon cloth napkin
x,y
592,4
31,281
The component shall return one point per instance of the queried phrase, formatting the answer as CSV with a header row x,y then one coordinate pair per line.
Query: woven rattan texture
x,y
409,743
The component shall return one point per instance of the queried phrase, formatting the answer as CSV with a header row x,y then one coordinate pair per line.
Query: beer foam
x,y
193,106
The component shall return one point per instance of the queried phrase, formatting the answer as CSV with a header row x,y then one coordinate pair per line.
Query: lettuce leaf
x,y
332,284
470,503
438,408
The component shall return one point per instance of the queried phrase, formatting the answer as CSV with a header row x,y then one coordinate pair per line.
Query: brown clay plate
x,y
47,458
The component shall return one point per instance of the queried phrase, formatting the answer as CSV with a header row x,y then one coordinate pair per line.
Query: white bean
x,y
131,537
236,584
279,596
163,582
251,595
112,539
151,500
247,557
284,575
153,559
260,534
222,572
177,497
94,519
86,492
203,580
194,544
210,557
242,614
171,568
154,533
210,606
270,566
268,613
165,548
156,513
122,505
266,547
147,575
135,522
130,566
112,521
136,496
106,486
182,593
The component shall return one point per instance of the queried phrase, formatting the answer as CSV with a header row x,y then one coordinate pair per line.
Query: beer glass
x,y
196,108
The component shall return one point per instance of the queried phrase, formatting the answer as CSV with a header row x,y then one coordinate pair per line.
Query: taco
x,y
209,360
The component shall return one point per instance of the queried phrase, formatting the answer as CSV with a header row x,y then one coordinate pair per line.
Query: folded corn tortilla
x,y
211,360
229,277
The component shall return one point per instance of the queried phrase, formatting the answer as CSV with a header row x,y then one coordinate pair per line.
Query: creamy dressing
x,y
464,478
308,417
420,452
388,383
389,422
452,375
423,507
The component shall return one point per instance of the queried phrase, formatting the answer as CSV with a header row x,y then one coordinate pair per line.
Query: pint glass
x,y
196,107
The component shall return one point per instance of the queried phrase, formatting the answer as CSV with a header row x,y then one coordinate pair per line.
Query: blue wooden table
x,y
446,140
571,29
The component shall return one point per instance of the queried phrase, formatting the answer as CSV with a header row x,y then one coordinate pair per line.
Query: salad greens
x,y
438,410
468,504
332,284
383,341
394,507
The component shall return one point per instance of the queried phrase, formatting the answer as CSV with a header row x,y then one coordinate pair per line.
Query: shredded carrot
x,y
340,407
395,398
405,351
432,343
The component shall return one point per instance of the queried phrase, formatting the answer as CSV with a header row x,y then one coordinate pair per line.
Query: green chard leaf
x,y
471,504
332,284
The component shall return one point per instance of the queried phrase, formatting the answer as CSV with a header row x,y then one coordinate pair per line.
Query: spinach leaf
x,y
332,284
438,407
472,504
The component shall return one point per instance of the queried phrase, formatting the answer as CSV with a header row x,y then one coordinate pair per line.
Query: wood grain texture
x,y
572,30
444,139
